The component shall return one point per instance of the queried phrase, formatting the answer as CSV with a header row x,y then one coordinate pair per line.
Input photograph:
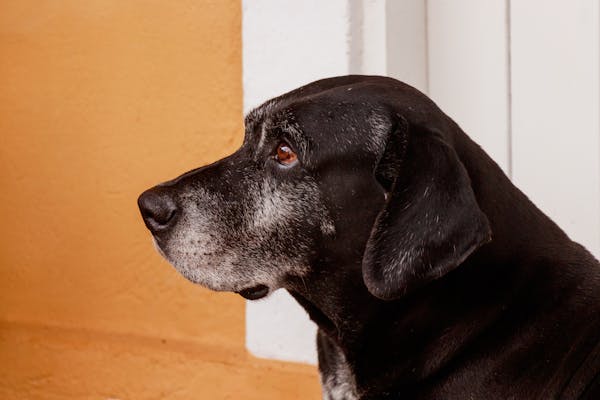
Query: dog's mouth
x,y
254,293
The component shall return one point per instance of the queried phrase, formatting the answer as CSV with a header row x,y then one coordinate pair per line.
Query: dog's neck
x,y
429,327
432,325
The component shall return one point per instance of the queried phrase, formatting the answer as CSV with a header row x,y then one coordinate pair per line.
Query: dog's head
x,y
360,169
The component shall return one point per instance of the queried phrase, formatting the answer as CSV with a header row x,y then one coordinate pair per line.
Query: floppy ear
x,y
430,222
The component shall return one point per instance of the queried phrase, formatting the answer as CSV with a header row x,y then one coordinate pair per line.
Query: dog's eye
x,y
285,155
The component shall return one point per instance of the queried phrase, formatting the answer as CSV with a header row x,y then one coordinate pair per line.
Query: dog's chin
x,y
249,292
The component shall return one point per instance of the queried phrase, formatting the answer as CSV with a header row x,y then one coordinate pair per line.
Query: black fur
x,y
442,281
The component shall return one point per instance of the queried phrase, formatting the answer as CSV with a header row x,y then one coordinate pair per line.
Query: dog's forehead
x,y
350,115
356,93
270,121
258,115
344,115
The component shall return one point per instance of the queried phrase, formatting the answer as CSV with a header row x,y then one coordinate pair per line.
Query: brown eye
x,y
285,155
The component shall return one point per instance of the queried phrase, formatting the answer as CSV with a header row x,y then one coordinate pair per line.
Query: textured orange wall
x,y
98,101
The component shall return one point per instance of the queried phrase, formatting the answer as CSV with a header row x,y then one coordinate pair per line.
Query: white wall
x,y
520,77
555,111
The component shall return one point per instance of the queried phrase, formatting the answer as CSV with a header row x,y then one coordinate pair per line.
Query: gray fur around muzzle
x,y
231,226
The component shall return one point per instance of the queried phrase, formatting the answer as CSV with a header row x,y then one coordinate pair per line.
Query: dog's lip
x,y
254,292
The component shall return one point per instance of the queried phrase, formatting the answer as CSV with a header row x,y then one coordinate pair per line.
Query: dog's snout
x,y
158,210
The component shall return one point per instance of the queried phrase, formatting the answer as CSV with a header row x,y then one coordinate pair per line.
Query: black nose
x,y
158,209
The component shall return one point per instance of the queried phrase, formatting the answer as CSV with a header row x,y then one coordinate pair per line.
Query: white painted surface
x,y
374,37
289,43
468,69
278,328
555,86
393,40
406,47
520,77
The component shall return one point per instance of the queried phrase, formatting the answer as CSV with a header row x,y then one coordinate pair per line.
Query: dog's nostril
x,y
158,210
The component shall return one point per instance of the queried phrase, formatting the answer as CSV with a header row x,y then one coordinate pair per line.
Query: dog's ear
x,y
430,222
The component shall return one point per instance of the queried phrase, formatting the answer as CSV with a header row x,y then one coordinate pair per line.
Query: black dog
x,y
429,274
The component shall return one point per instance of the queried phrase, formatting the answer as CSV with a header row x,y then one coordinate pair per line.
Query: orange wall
x,y
99,100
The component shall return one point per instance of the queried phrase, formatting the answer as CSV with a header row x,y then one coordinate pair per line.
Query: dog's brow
x,y
252,128
263,136
255,121
295,134
264,124
287,123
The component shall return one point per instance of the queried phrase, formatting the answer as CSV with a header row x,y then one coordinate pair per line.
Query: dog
x,y
428,273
